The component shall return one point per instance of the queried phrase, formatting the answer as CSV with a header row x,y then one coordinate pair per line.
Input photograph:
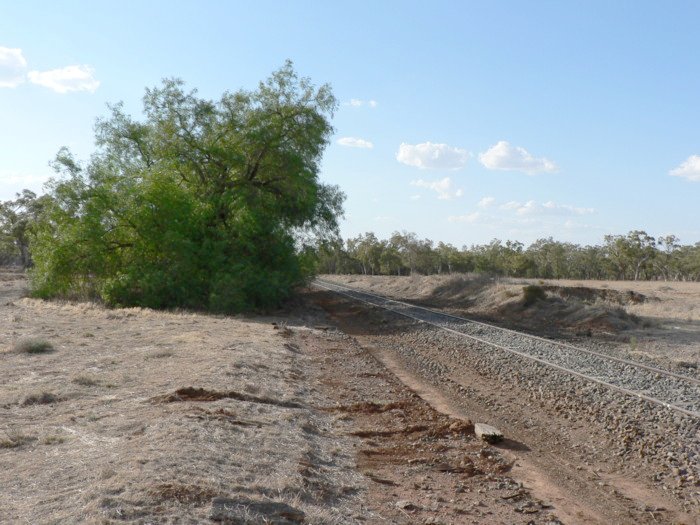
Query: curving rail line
x,y
657,386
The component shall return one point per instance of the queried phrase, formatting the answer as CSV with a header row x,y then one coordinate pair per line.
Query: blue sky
x,y
460,121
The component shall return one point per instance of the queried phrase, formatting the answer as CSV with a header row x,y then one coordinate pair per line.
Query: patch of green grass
x,y
33,345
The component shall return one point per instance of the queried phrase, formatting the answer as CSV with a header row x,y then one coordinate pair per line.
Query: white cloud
x,y
690,169
443,187
531,207
470,217
414,197
486,202
66,79
503,156
432,156
511,205
357,103
13,72
12,67
14,178
354,142
12,181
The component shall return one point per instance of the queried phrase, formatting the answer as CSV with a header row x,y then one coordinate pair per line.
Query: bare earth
x,y
163,417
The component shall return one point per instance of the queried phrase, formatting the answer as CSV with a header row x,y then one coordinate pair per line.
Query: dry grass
x,y
107,452
53,439
14,438
85,380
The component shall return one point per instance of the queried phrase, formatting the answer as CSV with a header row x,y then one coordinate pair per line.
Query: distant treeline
x,y
635,256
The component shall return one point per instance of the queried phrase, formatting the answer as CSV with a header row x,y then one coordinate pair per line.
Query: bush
x,y
33,345
204,205
44,398
533,293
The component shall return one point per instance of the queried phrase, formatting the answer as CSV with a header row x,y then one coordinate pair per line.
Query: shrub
x,y
44,398
533,293
33,345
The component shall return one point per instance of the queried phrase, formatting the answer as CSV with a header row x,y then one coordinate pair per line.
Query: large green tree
x,y
201,204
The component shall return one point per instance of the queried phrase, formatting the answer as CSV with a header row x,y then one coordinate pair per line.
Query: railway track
x,y
675,392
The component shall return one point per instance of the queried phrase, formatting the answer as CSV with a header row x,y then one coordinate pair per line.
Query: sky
x,y
461,121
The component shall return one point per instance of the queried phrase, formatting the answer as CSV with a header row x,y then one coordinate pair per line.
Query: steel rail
x,y
329,286
649,368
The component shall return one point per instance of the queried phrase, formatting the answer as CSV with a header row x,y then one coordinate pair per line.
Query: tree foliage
x,y
201,204
17,219
634,256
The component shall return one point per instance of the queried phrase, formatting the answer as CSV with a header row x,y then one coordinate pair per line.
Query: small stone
x,y
406,505
488,433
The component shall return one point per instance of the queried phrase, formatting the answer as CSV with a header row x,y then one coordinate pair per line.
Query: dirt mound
x,y
592,295
462,289
569,308
578,309
556,314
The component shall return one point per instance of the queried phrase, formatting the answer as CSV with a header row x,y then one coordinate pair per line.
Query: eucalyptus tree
x,y
17,218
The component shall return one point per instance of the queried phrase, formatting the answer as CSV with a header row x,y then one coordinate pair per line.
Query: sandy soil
x,y
653,321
